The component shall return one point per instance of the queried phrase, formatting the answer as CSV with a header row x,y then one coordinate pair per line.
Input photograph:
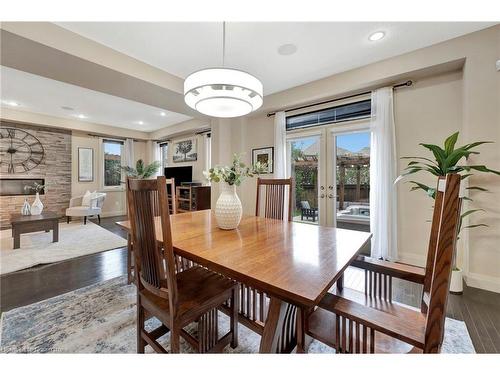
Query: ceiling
x,y
323,48
38,94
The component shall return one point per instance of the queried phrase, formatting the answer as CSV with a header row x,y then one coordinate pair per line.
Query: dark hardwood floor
x,y
479,309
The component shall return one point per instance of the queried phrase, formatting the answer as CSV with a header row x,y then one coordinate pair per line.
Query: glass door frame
x,y
353,127
311,133
327,181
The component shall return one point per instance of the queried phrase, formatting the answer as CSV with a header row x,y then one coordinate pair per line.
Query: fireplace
x,y
15,186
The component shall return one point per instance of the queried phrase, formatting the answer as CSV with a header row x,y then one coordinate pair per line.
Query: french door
x,y
330,168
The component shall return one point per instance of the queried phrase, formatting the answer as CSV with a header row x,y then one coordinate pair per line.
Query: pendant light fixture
x,y
223,92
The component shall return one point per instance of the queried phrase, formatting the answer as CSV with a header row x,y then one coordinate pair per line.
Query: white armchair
x,y
94,208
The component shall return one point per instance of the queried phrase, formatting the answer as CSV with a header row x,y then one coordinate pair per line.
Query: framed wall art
x,y
264,155
85,164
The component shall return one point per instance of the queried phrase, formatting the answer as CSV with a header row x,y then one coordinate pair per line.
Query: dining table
x,y
294,264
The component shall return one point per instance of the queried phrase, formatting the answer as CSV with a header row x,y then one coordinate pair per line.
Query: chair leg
x,y
68,219
84,220
99,218
141,343
175,335
234,317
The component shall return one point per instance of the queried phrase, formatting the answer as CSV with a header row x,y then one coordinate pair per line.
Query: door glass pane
x,y
353,181
304,171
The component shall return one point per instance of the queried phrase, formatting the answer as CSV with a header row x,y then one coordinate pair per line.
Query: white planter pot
x,y
228,208
37,206
456,283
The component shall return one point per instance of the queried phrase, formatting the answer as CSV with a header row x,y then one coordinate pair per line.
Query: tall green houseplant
x,y
449,159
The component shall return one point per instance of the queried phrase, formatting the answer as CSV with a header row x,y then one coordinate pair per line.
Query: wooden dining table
x,y
295,264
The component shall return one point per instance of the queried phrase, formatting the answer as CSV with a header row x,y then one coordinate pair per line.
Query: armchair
x,y
76,207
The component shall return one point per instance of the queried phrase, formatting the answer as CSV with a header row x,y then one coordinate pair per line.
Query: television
x,y
181,174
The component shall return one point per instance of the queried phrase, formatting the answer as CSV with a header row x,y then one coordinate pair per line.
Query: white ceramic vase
x,y
37,206
228,208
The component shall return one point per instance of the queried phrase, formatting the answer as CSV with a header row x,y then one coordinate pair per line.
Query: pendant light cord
x,y
223,42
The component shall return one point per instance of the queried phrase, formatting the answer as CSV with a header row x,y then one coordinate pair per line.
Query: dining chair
x,y
172,205
355,323
176,299
276,192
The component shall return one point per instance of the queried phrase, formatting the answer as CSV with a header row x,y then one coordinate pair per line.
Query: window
x,y
339,113
113,153
163,156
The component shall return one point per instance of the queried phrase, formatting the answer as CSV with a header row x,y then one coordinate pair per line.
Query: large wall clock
x,y
19,151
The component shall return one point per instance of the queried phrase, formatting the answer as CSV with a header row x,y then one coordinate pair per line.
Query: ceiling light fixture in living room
x,y
223,92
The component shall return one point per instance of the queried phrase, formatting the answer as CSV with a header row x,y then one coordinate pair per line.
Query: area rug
x,y
101,319
75,240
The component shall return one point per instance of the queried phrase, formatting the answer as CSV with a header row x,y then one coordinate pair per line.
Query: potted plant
x,y
141,171
228,208
449,160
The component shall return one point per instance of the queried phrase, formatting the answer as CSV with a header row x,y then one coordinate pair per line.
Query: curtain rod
x,y
404,84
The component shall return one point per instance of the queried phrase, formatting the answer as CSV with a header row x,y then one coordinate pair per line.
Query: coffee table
x,y
46,221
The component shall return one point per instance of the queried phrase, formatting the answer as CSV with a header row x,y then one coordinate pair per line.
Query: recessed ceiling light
x,y
11,103
376,36
140,122
80,116
66,108
287,49
163,114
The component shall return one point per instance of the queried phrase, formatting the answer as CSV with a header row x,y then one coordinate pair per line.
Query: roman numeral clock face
x,y
19,151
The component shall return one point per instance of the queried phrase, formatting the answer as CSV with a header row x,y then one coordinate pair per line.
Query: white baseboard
x,y
477,280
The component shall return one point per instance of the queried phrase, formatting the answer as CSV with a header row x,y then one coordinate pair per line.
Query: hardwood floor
x,y
479,309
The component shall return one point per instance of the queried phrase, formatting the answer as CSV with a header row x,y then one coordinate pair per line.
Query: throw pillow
x,y
86,198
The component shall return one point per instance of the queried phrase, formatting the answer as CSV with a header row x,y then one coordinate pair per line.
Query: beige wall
x,y
467,101
115,203
428,113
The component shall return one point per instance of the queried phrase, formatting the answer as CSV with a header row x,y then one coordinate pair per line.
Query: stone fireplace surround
x,y
55,170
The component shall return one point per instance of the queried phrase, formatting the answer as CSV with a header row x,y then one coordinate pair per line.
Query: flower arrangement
x,y
36,187
235,173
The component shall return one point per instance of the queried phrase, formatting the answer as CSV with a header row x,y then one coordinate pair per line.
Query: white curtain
x,y
128,153
280,145
154,154
383,172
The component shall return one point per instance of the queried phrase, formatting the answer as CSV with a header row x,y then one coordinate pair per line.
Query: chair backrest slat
x,y
442,252
154,261
276,191
438,203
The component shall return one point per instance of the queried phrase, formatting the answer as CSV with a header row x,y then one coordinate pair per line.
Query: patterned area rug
x,y
101,319
75,240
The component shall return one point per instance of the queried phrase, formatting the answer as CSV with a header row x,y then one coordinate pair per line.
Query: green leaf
x,y
476,188
450,142
464,176
467,213
480,168
475,226
418,157
475,144
438,153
